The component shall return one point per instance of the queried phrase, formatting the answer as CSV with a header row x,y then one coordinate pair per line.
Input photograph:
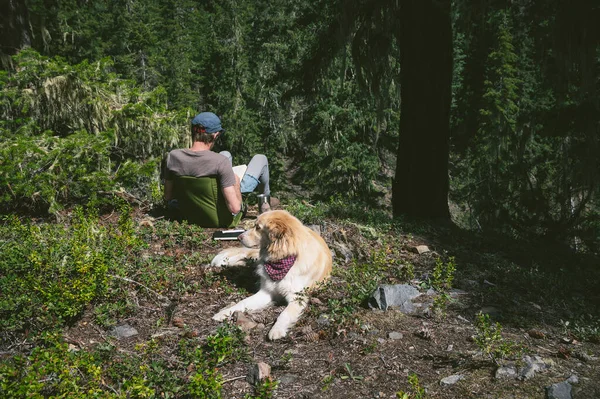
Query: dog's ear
x,y
278,229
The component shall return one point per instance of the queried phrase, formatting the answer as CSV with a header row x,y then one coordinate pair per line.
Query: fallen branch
x,y
234,379
160,296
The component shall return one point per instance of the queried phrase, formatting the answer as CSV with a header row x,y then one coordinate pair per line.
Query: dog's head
x,y
275,234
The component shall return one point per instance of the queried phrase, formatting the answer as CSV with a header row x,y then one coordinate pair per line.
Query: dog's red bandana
x,y
278,269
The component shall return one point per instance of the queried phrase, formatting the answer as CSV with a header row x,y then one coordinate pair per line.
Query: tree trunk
x,y
421,184
14,30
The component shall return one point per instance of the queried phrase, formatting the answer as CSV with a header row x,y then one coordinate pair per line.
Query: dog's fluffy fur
x,y
277,235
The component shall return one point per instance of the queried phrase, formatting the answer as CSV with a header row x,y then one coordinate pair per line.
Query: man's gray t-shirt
x,y
200,164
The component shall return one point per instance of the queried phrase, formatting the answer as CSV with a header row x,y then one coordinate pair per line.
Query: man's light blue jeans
x,y
257,174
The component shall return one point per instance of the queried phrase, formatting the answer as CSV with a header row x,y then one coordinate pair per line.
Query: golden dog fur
x,y
278,235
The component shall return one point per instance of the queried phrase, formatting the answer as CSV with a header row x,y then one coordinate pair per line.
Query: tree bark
x,y
14,30
420,188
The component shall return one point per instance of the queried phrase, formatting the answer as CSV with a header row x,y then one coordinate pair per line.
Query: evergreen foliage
x,y
73,132
315,86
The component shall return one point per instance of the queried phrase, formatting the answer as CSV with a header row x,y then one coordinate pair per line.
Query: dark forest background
x,y
485,112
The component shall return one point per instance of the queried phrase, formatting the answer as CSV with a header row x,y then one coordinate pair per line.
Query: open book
x,y
227,234
240,170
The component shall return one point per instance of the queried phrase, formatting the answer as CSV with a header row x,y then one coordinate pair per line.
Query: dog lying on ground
x,y
289,257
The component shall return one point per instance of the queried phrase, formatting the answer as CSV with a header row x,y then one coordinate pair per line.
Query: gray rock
x,y
399,296
287,379
324,320
123,331
573,380
342,250
533,365
395,335
453,379
562,390
258,372
506,372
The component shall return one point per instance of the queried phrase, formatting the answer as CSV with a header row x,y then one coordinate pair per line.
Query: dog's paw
x,y
220,260
222,315
277,333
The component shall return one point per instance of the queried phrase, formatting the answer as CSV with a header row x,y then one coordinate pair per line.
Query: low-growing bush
x,y
49,273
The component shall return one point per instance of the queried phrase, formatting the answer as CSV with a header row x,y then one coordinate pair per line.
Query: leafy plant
x,y
264,390
350,374
489,339
205,384
441,280
227,344
418,392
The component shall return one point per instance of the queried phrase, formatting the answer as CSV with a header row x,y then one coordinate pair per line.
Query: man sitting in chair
x,y
200,161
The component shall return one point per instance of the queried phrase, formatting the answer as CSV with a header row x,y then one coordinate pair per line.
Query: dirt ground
x,y
358,359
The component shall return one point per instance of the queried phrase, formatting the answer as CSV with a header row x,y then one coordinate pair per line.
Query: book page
x,y
240,170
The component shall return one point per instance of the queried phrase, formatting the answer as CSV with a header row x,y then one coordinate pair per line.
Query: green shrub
x,y
49,273
489,339
227,344
73,132
52,370
206,384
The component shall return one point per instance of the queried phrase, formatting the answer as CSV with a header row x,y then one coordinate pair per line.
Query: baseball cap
x,y
210,122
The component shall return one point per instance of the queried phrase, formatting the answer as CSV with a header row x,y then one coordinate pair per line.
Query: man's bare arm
x,y
233,196
168,190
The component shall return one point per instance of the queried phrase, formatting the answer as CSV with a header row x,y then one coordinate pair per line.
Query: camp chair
x,y
201,202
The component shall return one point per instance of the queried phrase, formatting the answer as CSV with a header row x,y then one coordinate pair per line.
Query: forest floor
x,y
545,300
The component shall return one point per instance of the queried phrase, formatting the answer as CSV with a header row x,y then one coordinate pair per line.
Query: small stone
x,y
381,340
73,348
258,372
451,380
395,335
124,331
324,320
449,348
507,372
287,379
574,380
243,322
421,249
315,301
561,390
178,322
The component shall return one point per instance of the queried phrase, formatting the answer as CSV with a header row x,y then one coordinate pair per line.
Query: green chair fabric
x,y
201,202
